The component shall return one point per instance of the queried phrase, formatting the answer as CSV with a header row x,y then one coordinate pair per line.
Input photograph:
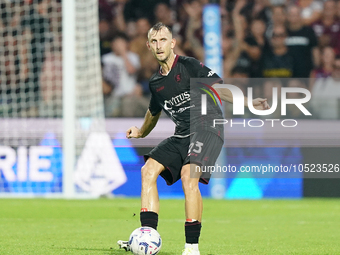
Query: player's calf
x,y
193,210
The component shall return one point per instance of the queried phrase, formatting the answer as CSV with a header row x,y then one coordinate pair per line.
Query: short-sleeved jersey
x,y
172,94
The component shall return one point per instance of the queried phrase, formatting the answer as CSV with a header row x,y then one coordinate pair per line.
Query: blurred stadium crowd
x,y
297,40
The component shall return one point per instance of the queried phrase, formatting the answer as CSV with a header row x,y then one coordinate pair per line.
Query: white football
x,y
145,240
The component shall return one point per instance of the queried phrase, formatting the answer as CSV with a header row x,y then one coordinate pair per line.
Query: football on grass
x,y
145,240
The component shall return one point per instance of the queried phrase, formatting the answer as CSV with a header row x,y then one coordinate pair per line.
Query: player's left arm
x,y
199,70
226,95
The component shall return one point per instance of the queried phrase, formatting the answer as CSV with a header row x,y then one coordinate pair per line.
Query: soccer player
x,y
190,146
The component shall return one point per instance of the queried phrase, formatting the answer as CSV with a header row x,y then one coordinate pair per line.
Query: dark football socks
x,y
149,219
192,232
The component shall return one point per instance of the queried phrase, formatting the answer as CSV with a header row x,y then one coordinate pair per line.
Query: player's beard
x,y
164,60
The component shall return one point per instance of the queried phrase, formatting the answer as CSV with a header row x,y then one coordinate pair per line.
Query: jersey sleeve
x,y
199,70
154,106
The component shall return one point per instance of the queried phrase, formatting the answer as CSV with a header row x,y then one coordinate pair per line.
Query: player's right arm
x,y
150,122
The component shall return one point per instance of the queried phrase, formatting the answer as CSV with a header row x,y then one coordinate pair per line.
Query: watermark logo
x,y
239,101
204,97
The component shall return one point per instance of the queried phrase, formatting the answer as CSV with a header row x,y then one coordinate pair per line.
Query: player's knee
x,y
188,182
148,174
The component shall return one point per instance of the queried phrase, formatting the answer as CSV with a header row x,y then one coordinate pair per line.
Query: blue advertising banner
x,y
212,38
213,59
33,166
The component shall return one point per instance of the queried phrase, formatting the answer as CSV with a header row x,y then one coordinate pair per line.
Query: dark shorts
x,y
173,153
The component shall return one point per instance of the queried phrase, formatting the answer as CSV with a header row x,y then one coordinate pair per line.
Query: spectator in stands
x,y
10,58
255,41
239,20
51,81
231,51
302,44
326,94
120,69
24,42
51,74
39,26
310,10
338,9
149,64
9,68
327,29
105,10
327,62
193,32
180,16
105,35
326,68
163,13
256,9
277,61
239,57
261,10
120,15
254,44
131,29
278,18
135,9
23,54
119,19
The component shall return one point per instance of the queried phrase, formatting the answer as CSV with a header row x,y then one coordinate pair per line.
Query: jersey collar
x,y
173,65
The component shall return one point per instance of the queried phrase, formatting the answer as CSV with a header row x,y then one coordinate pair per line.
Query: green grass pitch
x,y
47,227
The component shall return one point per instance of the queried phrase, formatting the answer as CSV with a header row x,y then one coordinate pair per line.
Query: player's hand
x,y
133,132
260,104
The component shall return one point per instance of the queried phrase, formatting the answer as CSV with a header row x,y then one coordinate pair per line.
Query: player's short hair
x,y
159,26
